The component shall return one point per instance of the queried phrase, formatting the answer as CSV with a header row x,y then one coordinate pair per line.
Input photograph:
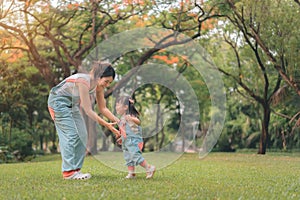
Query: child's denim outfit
x,y
132,142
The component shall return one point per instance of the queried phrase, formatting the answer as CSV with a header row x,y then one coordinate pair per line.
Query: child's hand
x,y
119,141
128,118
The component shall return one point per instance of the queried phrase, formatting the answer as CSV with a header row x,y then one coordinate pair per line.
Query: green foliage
x,y
23,109
6,156
19,149
285,132
222,176
242,127
24,92
21,144
259,35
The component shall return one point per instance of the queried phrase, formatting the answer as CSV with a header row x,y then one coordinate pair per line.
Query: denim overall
x,y
132,144
64,108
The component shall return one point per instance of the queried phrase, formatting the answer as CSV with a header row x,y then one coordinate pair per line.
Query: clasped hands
x,y
111,127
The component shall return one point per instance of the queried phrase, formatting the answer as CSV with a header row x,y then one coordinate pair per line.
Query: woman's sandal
x,y
78,176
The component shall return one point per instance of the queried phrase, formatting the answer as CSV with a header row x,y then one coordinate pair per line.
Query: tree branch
x,y
298,2
254,34
239,79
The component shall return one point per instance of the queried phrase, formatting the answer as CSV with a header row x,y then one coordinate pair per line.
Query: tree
x,y
68,31
56,38
22,108
273,21
264,29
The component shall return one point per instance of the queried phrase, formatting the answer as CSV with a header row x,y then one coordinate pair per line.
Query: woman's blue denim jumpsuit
x,y
64,107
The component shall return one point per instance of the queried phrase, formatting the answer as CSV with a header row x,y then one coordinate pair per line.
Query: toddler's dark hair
x,y
127,100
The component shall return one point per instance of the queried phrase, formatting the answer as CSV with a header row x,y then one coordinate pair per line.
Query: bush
x,y
5,155
21,144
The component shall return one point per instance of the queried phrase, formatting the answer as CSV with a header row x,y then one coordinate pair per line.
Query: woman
x,y
64,103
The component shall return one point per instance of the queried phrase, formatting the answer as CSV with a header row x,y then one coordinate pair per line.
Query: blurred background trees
x,y
254,44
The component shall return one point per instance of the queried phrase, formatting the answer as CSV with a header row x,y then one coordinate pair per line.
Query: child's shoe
x,y
130,176
150,172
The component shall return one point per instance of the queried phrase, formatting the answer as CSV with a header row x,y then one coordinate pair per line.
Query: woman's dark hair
x,y
103,69
127,100
109,71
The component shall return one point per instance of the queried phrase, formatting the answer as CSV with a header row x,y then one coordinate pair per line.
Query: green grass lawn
x,y
217,176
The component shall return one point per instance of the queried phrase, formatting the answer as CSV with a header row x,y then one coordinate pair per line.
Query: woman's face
x,y
105,81
120,108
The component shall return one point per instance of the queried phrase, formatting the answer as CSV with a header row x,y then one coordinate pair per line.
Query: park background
x,y
253,44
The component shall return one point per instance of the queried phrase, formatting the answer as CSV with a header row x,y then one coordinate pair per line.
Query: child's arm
x,y
133,119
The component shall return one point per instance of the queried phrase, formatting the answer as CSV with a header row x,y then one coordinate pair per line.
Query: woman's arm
x,y
101,102
87,107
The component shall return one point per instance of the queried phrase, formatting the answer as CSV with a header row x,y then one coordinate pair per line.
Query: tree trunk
x,y
54,147
10,132
157,127
104,144
265,130
91,147
162,132
41,142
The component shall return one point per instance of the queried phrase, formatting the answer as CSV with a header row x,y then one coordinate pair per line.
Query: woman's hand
x,y
111,127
